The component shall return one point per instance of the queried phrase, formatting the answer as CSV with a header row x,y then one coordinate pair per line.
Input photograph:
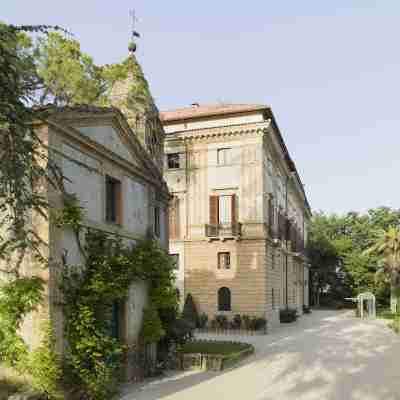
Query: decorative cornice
x,y
221,131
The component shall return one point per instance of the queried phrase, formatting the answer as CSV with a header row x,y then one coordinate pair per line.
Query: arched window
x,y
224,299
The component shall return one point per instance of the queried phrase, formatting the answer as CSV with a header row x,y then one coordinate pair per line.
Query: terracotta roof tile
x,y
198,111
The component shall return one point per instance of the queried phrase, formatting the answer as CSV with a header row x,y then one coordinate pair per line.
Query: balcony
x,y
224,230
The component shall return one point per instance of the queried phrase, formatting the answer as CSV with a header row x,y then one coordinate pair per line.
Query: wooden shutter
x,y
214,204
233,209
174,218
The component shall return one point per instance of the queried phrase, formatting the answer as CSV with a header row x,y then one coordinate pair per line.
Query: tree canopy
x,y
340,264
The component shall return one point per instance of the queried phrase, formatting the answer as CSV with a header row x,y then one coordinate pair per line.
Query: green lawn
x,y
385,313
214,347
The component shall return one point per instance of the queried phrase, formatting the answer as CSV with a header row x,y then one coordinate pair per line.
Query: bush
x,y
288,315
152,330
246,320
259,324
203,319
236,322
222,321
213,324
306,309
189,312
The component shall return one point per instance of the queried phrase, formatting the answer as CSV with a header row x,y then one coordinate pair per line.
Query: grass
x,y
385,313
214,347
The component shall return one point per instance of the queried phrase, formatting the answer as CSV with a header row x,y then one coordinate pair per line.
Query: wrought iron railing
x,y
223,230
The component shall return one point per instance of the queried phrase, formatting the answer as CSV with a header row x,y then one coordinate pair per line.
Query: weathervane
x,y
134,33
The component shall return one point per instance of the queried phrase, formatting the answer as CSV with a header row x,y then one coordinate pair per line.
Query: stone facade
x,y
237,197
92,145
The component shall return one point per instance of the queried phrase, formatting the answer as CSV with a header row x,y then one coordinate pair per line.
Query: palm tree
x,y
387,246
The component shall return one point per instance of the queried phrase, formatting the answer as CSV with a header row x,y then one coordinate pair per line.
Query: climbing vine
x,y
71,214
90,292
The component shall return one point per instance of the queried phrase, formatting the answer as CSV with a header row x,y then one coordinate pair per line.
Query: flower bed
x,y
213,355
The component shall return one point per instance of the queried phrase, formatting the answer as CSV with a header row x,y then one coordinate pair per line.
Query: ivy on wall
x,y
91,291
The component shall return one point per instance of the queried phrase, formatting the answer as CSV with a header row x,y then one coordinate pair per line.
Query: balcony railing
x,y
224,230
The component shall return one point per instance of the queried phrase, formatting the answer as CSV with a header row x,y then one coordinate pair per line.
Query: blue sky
x,y
329,69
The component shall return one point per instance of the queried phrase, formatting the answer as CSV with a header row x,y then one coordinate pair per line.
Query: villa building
x,y
239,215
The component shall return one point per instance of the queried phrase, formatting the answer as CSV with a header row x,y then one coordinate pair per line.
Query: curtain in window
x,y
225,210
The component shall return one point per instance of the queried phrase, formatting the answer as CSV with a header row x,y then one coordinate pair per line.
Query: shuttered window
x,y
174,231
223,210
214,210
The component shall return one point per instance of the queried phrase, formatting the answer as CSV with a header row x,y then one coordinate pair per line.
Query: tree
x,y
387,247
189,312
339,265
323,255
24,167
70,76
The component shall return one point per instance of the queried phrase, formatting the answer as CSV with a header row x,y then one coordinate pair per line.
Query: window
x,y
225,209
224,260
173,161
173,216
113,200
157,221
175,257
223,156
273,299
224,299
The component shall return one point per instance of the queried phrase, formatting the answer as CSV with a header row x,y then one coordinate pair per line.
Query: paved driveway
x,y
325,355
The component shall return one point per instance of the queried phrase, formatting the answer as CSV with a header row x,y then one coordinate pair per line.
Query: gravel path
x,y
326,356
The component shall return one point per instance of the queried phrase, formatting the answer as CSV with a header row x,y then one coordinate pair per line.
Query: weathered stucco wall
x,y
109,138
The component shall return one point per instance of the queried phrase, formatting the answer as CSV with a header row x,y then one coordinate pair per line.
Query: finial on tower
x,y
134,34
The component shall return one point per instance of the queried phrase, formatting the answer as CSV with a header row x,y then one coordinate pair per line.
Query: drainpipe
x,y
187,188
286,255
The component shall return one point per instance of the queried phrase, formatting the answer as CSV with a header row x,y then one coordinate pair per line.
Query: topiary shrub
x,y
288,315
236,322
189,312
222,321
152,330
203,319
213,324
246,322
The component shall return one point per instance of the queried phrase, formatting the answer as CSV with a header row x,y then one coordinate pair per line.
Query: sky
x,y
329,69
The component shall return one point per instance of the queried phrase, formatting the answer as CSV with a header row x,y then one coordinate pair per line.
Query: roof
x,y
199,111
